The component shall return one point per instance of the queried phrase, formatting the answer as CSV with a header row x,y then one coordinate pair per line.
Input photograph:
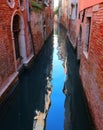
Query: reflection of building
x,y
21,36
46,89
61,43
68,17
63,4
39,119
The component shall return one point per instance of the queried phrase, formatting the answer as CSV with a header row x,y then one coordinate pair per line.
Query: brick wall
x,y
37,30
7,48
48,21
9,65
91,68
69,20
64,20
85,4
37,26
72,32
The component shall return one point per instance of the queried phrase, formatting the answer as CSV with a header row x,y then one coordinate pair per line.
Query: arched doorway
x,y
79,46
19,40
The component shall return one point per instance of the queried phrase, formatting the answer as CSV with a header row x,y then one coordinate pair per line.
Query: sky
x,y
56,3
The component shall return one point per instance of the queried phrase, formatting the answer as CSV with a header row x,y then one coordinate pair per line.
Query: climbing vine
x,y
35,5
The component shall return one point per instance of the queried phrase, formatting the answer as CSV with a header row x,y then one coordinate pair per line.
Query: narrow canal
x,y
49,94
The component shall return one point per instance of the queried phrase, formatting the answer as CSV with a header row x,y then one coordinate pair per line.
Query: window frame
x,y
86,45
11,3
21,5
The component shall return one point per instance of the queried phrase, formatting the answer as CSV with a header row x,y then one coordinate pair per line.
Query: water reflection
x,y
29,99
77,115
63,55
68,92
55,118
54,70
39,119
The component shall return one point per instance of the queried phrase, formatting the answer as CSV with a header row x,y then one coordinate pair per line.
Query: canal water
x,y
49,94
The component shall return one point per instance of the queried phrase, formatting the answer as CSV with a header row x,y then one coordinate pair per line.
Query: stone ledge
x,y
29,61
5,89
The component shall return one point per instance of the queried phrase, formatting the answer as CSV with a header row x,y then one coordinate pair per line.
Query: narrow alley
x,y
56,66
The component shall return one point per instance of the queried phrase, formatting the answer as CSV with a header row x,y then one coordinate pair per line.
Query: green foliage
x,y
56,10
36,5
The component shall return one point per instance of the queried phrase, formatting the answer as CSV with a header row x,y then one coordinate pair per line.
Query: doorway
x,y
19,40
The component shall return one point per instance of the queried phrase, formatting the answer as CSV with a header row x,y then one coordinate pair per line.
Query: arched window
x,y
19,40
11,3
16,31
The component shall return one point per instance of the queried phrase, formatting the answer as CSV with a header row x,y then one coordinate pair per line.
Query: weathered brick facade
x,y
68,18
84,4
37,30
72,33
8,66
48,21
41,26
63,13
86,34
91,67
20,38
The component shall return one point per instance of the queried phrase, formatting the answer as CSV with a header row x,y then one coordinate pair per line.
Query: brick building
x,y
68,17
85,30
42,20
63,12
90,42
21,36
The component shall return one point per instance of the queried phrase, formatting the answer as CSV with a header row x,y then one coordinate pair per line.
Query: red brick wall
x,y
37,19
37,30
6,54
49,21
7,66
91,68
71,26
68,22
84,3
7,62
72,32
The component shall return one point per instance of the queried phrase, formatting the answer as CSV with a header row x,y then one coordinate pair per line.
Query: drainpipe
x,y
29,20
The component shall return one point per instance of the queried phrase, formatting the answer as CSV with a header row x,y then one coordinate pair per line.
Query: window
x,y
11,3
22,4
16,31
87,34
76,10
